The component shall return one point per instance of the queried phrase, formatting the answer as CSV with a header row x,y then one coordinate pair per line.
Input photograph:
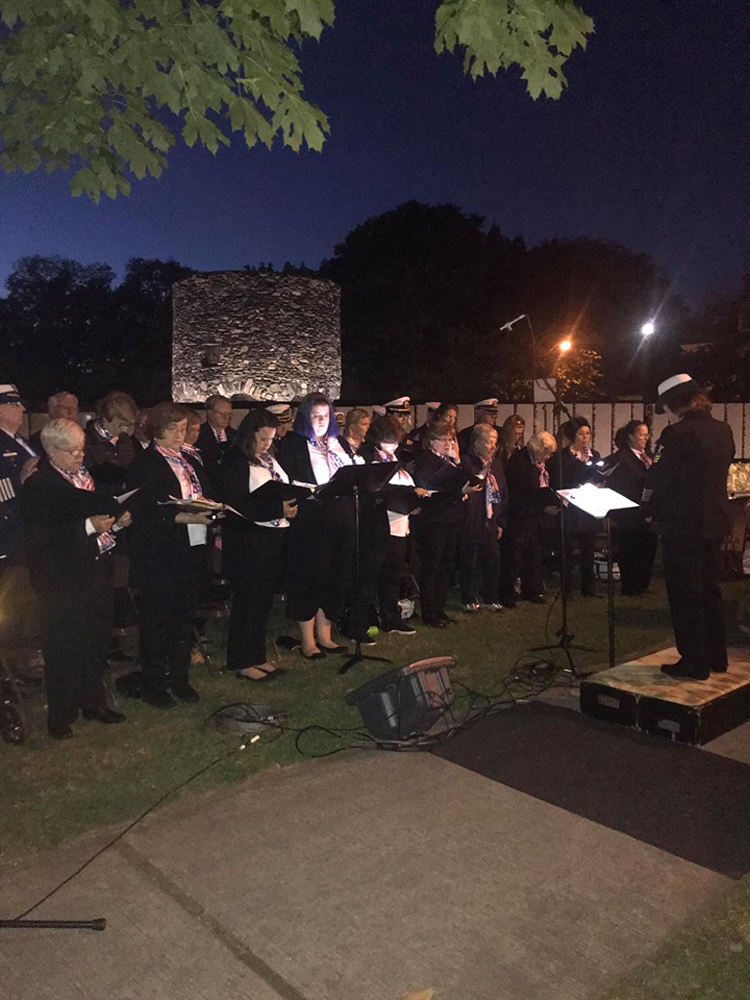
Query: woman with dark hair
x,y
191,436
511,436
109,446
321,539
447,413
575,466
168,552
392,518
437,525
636,543
253,544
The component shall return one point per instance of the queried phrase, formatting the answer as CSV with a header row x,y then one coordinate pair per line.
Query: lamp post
x,y
647,330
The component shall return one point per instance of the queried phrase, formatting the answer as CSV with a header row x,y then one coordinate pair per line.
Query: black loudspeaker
x,y
406,701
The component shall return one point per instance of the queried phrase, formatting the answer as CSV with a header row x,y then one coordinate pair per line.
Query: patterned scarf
x,y
113,439
584,455
491,493
543,474
333,461
384,456
192,453
82,481
267,462
646,459
180,464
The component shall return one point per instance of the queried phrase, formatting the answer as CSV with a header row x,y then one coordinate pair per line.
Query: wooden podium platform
x,y
638,695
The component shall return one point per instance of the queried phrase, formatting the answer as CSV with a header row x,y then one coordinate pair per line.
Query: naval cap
x,y
9,393
486,404
399,405
672,387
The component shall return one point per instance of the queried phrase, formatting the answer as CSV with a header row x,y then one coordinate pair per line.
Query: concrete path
x,y
365,877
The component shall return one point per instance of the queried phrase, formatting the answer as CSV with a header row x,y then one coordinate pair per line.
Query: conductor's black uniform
x,y
686,495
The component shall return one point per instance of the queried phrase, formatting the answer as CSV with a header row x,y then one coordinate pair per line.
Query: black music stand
x,y
354,480
599,502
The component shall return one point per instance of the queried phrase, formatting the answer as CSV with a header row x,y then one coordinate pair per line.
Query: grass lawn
x,y
52,792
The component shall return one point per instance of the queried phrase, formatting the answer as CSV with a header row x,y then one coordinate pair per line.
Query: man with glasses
x,y
215,437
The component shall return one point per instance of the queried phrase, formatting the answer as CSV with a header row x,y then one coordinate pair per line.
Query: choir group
x,y
477,506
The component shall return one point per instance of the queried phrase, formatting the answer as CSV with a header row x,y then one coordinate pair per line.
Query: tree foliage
x,y
106,87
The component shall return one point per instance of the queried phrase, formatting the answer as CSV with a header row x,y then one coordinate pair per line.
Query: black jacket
x,y
293,456
233,488
212,451
476,525
154,538
107,462
526,501
686,487
12,459
442,508
628,475
59,553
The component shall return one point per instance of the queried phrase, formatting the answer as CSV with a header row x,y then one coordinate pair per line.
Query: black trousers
x,y
254,563
584,541
321,558
636,550
479,570
436,545
168,597
692,571
389,583
75,631
521,556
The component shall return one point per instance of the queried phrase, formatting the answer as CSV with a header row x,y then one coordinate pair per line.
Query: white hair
x,y
542,441
61,434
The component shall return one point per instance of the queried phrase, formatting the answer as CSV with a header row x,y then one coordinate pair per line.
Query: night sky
x,y
649,146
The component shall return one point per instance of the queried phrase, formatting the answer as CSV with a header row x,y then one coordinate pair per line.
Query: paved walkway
x,y
365,877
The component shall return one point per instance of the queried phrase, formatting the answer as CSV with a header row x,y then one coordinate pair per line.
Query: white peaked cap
x,y
433,406
400,403
379,411
672,383
279,408
486,403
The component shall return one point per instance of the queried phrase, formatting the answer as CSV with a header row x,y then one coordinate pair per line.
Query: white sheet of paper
x,y
126,496
597,501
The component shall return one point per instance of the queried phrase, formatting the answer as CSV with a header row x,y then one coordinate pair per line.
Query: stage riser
x,y
664,713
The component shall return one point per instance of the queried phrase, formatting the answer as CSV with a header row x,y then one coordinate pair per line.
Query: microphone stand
x,y
565,636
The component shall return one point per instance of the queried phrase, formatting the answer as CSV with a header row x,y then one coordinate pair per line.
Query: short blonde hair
x,y
542,441
61,434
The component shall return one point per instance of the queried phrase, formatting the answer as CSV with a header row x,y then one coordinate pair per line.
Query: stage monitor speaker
x,y
406,701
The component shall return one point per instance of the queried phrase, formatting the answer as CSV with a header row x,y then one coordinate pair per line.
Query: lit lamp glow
x,y
648,328
565,345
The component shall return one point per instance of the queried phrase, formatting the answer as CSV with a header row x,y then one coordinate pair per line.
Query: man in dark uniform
x,y
400,410
685,494
215,437
485,412
18,460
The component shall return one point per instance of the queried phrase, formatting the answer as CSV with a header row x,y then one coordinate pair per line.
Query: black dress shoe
x,y
106,715
253,680
313,656
330,649
719,670
158,699
186,693
60,732
438,623
682,671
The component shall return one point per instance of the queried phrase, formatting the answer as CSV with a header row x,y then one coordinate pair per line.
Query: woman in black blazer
x,y
636,543
69,536
168,552
254,545
578,461
437,526
527,478
321,542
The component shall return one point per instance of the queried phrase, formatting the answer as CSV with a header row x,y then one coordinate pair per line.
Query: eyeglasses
x,y
73,451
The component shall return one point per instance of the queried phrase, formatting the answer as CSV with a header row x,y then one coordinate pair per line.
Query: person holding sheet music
x,y
483,523
168,552
576,465
438,524
321,541
529,496
70,532
254,542
397,503
636,543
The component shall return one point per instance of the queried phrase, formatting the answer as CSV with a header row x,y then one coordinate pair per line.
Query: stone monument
x,y
255,337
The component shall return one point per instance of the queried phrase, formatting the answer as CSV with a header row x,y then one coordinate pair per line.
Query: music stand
x,y
354,480
599,502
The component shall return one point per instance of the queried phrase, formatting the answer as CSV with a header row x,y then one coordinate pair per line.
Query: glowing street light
x,y
565,345
648,328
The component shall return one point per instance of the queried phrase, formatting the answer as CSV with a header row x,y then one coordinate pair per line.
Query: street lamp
x,y
565,345
648,328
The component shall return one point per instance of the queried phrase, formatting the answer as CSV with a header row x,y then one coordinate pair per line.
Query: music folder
x,y
274,489
367,479
598,501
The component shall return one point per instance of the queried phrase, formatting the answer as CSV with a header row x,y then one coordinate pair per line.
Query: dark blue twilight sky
x,y
649,146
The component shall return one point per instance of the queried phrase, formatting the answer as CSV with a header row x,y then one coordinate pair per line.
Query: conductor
x,y
685,494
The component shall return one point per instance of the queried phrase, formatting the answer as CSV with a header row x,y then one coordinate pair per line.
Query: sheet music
x,y
598,501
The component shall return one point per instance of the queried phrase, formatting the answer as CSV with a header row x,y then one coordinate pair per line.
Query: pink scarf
x,y
82,481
